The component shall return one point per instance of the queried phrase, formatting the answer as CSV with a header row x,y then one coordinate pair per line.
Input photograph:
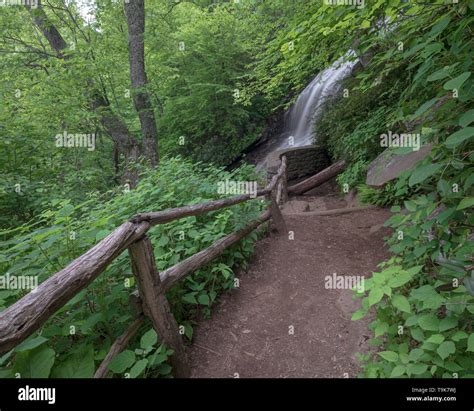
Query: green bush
x,y
78,337
423,296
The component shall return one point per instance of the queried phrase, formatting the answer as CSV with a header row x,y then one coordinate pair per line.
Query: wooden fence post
x,y
156,306
277,217
284,181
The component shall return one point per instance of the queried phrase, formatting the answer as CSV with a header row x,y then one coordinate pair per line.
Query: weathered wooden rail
x,y
23,318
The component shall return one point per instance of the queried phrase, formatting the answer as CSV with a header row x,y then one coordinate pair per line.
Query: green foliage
x,y
349,127
416,76
205,115
388,195
423,295
80,334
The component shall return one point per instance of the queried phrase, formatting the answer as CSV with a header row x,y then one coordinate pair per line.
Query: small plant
x,y
382,197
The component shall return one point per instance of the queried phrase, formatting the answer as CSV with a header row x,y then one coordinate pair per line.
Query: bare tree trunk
x,y
135,14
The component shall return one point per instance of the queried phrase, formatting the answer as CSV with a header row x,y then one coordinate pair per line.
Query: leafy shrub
x,y
80,334
423,296
389,194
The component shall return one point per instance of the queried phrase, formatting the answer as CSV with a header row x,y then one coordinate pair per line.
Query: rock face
x,y
302,161
388,166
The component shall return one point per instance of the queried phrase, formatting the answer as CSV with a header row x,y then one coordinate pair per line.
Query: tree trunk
x,y
135,14
318,179
123,139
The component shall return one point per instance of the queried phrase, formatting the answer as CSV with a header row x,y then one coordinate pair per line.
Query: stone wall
x,y
302,161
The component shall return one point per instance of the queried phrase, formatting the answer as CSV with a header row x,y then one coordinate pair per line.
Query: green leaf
x,y
375,296
381,329
400,302
415,354
465,203
203,299
164,369
66,211
447,323
417,334
358,315
138,368
36,363
30,344
400,279
439,26
158,359
398,371
417,369
188,331
122,361
459,137
458,336
446,349
467,118
438,75
428,296
101,235
436,339
421,173
429,322
390,356
470,343
189,298
163,240
77,365
424,107
456,83
148,339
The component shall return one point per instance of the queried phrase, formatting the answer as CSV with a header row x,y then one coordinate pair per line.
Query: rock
x,y
375,228
294,207
388,166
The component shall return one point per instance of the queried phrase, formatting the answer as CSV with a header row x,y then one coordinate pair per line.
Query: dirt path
x,y
282,321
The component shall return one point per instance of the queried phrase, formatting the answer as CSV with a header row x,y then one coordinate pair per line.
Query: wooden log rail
x,y
24,317
318,179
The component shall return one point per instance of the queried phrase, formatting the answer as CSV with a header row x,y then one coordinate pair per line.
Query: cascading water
x,y
299,119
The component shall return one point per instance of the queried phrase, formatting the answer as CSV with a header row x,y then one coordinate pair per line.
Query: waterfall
x,y
300,117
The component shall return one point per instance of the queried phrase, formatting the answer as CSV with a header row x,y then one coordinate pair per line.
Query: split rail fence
x,y
24,317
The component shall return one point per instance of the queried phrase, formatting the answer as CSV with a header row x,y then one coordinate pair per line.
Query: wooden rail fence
x,y
28,314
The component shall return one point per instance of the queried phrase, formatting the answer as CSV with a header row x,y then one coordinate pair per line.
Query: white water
x,y
299,120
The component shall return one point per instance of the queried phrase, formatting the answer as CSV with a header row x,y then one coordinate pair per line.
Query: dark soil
x,y
282,321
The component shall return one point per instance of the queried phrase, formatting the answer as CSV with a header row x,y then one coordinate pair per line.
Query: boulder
x,y
388,165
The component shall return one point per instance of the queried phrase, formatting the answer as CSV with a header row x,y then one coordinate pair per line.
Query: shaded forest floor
x,y
282,321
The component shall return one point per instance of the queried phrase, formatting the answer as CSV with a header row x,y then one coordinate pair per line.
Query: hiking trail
x,y
281,321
